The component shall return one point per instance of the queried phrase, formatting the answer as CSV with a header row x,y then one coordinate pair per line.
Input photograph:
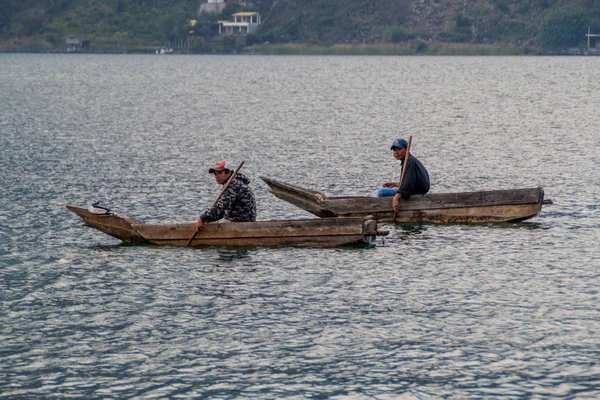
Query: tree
x,y
34,25
9,8
562,27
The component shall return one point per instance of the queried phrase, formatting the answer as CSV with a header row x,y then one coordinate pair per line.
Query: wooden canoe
x,y
298,233
466,207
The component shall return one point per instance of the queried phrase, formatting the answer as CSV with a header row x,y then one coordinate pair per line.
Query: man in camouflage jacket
x,y
237,204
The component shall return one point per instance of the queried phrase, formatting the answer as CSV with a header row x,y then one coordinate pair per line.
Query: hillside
x,y
504,22
144,25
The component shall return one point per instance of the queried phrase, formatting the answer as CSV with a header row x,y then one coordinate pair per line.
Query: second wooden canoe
x,y
464,207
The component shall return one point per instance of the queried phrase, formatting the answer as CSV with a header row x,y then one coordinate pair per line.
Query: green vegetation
x,y
458,49
303,26
562,27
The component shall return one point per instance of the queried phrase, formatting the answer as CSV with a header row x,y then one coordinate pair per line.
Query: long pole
x,y
229,182
405,160
403,169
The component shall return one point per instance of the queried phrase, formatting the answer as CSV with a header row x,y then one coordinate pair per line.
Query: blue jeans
x,y
386,192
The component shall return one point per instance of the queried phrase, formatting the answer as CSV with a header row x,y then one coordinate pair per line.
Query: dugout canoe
x,y
466,207
298,233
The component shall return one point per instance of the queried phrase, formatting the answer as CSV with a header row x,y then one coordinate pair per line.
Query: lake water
x,y
432,311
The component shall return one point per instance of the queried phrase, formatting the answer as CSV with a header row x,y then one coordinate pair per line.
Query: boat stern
x,y
370,231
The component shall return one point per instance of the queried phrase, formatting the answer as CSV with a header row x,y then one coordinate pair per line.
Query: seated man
x,y
237,204
416,177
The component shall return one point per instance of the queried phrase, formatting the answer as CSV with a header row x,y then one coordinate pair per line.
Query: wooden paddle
x,y
403,168
229,182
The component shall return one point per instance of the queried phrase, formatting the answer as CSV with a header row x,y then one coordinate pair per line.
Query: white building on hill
x,y
243,24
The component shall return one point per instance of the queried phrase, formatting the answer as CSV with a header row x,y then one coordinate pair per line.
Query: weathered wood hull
x,y
466,207
298,233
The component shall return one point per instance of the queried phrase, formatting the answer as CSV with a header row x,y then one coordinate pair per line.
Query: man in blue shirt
x,y
416,177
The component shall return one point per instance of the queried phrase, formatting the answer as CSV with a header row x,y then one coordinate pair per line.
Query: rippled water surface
x,y
433,311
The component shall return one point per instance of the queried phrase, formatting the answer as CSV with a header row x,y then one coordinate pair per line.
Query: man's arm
x,y
217,211
407,187
396,202
395,183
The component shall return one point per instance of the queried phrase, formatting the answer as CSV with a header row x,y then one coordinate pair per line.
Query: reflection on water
x,y
229,255
110,248
412,229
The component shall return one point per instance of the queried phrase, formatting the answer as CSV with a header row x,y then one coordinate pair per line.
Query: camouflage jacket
x,y
236,205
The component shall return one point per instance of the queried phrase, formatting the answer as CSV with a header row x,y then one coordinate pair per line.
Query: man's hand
x,y
199,224
396,202
390,184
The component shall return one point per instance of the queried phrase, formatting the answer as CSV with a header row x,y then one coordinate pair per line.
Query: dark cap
x,y
398,144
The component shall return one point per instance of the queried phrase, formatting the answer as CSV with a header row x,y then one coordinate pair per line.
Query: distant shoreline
x,y
384,49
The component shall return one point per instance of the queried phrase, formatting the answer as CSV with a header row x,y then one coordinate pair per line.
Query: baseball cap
x,y
221,166
399,143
